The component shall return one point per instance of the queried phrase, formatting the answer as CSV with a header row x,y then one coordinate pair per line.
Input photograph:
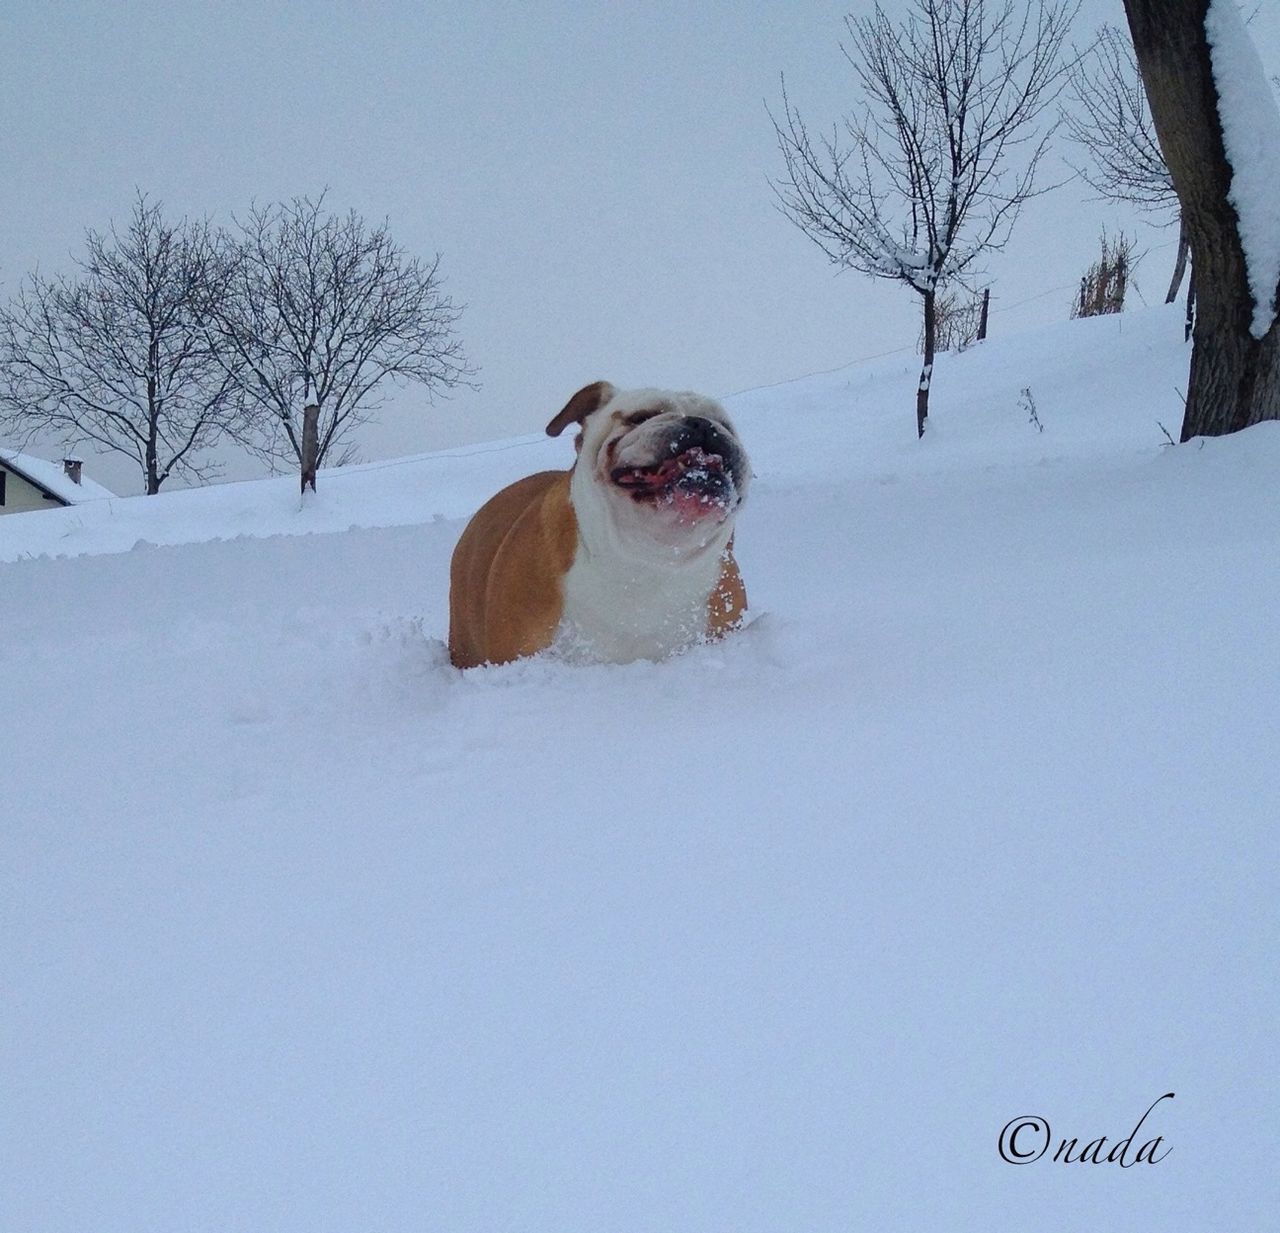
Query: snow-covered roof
x,y
51,477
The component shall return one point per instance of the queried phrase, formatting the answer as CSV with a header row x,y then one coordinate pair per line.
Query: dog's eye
x,y
638,417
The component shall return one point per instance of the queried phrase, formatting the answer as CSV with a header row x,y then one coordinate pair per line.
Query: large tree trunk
x,y
1235,377
926,372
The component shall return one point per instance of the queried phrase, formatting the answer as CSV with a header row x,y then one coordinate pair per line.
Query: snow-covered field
x,y
305,931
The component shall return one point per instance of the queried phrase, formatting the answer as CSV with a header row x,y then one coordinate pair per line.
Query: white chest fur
x,y
637,588
619,610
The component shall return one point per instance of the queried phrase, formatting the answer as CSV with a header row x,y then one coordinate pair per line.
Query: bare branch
x,y
1111,122
933,170
322,308
118,354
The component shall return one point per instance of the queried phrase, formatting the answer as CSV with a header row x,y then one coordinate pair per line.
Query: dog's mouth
x,y
695,482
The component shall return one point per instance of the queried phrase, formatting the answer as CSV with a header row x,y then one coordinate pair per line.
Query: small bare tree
x,y
1105,283
933,171
1110,121
323,311
119,355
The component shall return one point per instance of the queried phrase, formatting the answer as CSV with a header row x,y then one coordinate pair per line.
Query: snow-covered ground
x,y
305,931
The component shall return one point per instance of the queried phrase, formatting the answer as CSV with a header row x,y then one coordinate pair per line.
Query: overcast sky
x,y
595,177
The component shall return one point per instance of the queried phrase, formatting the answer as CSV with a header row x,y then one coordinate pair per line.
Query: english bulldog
x,y
627,555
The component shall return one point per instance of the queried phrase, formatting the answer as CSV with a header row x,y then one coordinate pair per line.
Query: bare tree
x,y
933,171
118,354
1235,359
323,311
1111,122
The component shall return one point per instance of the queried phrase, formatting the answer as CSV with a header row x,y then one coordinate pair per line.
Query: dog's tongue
x,y
700,486
691,505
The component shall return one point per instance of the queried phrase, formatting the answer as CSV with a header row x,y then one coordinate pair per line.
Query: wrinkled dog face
x,y
668,466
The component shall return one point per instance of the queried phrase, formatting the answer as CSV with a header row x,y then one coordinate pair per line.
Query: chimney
x,y
72,467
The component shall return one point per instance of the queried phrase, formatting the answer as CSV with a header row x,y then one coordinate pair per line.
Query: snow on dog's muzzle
x,y
694,482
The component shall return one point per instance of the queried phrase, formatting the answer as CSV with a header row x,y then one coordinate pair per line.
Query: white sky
x,y
595,176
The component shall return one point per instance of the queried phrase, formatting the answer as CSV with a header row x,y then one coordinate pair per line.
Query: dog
x,y
627,555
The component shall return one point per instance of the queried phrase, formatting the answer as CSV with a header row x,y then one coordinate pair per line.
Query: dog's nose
x,y
698,432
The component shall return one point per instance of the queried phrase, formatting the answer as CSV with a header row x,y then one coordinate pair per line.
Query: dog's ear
x,y
590,398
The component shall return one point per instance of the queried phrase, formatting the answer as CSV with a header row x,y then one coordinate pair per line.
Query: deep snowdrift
x,y
303,930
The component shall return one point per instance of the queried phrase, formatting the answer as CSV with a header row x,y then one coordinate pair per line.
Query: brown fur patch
x,y
506,592
727,602
588,399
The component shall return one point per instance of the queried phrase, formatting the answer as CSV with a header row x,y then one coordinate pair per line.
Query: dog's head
x,y
665,466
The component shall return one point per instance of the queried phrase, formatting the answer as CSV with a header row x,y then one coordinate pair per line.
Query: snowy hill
x,y
1101,388
304,930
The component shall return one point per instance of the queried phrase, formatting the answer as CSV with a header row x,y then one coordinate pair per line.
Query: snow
x,y
304,930
1251,134
399,492
52,477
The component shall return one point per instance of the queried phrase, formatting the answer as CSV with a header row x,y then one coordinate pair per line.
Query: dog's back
x,y
518,546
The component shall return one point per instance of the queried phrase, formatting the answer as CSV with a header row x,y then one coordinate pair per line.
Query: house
x,y
28,483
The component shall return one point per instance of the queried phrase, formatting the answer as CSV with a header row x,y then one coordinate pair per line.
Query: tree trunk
x,y
153,469
151,456
153,420
310,445
1235,377
1180,263
926,372
982,318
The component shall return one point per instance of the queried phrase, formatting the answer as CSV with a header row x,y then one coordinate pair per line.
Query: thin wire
x,y
418,459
